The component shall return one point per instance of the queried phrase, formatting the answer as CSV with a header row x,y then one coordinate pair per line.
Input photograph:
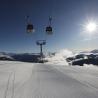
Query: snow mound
x,y
90,65
4,56
60,57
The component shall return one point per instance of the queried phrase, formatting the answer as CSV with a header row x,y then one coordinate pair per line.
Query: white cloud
x,y
60,57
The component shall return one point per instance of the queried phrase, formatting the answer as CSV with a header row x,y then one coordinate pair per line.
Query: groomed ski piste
x,y
48,80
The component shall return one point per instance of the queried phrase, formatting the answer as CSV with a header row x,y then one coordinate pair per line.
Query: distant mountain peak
x,y
94,51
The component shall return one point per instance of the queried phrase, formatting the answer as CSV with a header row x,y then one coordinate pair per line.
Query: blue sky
x,y
68,15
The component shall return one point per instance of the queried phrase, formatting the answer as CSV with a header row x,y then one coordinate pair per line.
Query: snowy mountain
x,y
61,57
84,58
5,56
94,51
24,57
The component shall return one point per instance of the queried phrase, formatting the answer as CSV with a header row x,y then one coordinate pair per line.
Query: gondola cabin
x,y
30,28
49,30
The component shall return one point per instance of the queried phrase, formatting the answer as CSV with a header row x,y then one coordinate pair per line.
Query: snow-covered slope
x,y
27,80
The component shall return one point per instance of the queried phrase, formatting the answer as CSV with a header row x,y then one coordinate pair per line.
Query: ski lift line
x,y
28,19
7,86
50,20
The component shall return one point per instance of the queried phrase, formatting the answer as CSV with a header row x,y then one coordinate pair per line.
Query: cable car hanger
x,y
49,27
30,27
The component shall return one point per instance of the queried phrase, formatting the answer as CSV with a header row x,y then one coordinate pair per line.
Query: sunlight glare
x,y
91,27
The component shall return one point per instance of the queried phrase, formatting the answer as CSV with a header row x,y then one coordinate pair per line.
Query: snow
x,y
87,75
6,56
30,80
7,71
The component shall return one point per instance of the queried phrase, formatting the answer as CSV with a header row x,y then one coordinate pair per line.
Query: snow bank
x,y
90,66
60,57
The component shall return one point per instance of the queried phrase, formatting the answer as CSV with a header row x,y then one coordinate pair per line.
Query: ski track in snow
x,y
27,80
